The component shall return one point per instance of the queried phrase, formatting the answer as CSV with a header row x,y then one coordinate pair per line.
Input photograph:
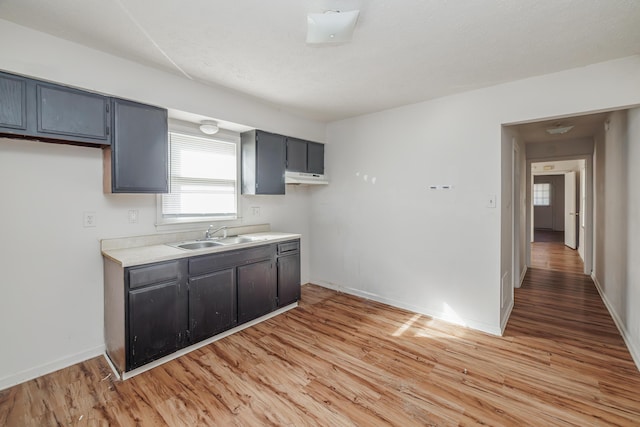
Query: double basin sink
x,y
203,244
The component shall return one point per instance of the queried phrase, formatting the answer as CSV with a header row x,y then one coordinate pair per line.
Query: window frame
x,y
222,136
549,195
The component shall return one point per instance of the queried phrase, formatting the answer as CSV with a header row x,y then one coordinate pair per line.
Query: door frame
x,y
589,207
516,181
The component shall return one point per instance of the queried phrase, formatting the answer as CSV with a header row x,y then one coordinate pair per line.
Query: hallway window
x,y
542,194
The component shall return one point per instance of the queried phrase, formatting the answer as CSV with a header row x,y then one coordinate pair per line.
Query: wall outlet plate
x,y
89,219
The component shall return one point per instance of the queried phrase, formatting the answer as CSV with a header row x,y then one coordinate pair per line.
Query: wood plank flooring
x,y
556,256
339,360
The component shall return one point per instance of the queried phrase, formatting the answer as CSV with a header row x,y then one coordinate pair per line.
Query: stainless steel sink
x,y
197,245
234,240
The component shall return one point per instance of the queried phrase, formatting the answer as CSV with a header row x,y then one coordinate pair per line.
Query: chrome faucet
x,y
209,234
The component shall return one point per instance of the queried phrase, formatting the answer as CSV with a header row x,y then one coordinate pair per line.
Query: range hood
x,y
304,178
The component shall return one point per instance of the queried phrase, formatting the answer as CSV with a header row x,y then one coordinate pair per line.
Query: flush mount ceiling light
x,y
209,127
558,129
332,26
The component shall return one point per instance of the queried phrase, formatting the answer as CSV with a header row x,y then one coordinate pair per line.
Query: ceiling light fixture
x,y
559,129
209,127
332,26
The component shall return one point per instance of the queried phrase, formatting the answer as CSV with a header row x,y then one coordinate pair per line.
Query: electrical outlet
x,y
255,210
89,219
133,216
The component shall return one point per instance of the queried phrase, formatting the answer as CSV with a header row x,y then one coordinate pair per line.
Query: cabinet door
x,y
296,155
71,114
288,279
315,158
13,103
157,322
270,163
257,290
212,304
140,150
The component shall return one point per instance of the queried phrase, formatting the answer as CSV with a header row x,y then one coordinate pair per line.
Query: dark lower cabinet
x,y
288,262
157,322
288,279
152,310
212,304
257,290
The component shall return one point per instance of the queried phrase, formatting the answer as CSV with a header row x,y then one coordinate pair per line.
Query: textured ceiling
x,y
402,51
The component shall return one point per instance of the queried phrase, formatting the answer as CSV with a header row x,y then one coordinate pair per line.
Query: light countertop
x,y
128,257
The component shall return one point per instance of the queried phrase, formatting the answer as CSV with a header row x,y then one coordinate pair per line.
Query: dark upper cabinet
x,y
36,109
257,290
315,158
263,162
13,103
212,304
71,114
288,273
305,156
157,311
139,154
296,155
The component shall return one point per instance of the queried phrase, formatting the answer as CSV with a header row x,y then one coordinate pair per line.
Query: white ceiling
x,y
585,126
402,51
556,167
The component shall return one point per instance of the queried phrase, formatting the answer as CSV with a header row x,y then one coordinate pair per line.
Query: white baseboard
x,y
480,326
522,276
633,349
505,317
47,368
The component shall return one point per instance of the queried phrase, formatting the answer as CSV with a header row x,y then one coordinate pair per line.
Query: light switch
x,y
491,201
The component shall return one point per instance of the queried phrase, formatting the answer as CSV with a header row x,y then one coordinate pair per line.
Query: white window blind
x,y
542,194
202,179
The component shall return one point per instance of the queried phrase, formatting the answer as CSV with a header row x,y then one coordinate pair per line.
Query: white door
x,y
570,209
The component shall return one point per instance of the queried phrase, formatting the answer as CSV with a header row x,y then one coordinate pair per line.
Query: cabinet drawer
x,y
214,262
288,247
155,273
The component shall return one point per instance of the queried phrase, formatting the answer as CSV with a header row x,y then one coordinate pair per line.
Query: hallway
x,y
550,253
559,313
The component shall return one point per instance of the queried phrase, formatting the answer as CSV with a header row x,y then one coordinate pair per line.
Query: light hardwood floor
x,y
338,360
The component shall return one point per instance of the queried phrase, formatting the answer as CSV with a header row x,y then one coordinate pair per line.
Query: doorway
x,y
553,150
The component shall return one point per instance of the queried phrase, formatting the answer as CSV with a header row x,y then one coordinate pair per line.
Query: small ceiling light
x,y
209,127
332,26
558,129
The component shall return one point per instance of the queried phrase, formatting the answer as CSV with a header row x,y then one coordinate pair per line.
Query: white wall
x,y
439,252
46,57
51,303
617,247
632,297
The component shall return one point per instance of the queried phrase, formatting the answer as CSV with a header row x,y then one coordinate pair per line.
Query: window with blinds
x,y
542,194
202,179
